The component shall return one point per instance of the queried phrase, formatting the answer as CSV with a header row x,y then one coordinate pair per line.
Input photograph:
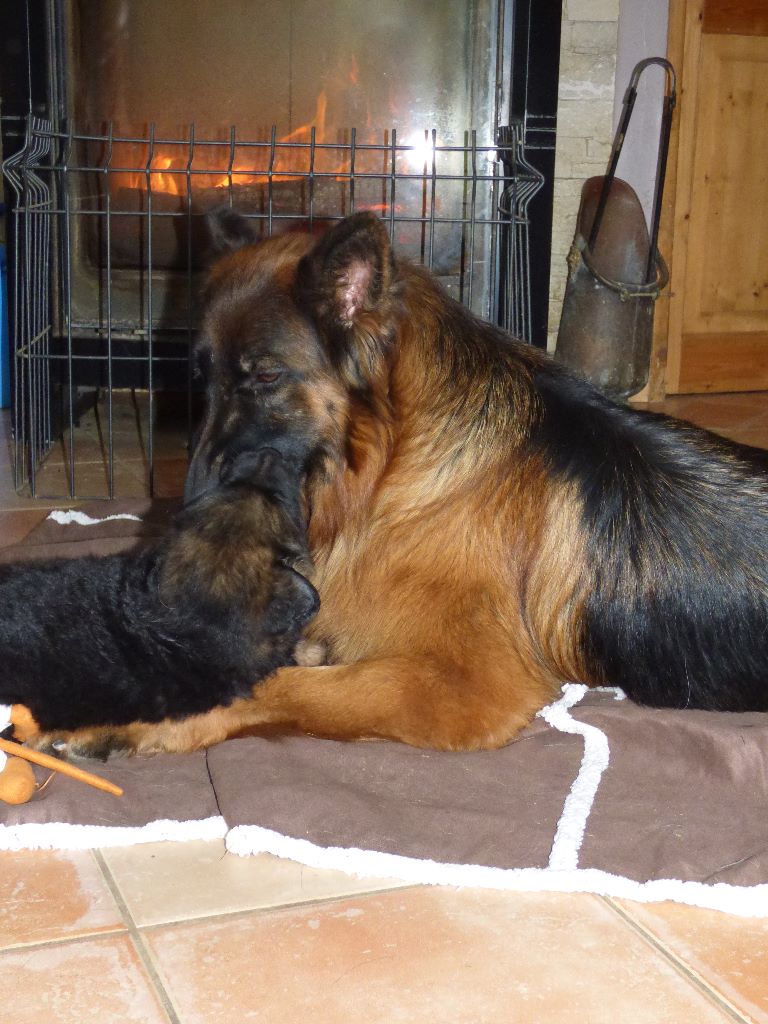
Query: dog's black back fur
x,y
676,520
167,632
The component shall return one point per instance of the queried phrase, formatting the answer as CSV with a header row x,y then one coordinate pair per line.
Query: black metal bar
x,y
108,278
472,209
400,217
492,306
270,178
150,331
18,390
68,320
27,326
423,240
230,165
392,183
311,178
533,100
432,197
670,101
352,155
190,285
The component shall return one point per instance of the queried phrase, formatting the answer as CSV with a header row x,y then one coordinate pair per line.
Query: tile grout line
x,y
64,939
273,908
680,965
138,940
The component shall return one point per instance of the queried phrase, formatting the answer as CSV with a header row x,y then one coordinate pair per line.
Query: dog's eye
x,y
267,377
203,364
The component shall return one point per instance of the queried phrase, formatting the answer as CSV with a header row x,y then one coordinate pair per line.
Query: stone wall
x,y
584,123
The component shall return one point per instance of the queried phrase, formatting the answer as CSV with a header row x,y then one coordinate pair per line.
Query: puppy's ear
x,y
228,230
294,603
347,284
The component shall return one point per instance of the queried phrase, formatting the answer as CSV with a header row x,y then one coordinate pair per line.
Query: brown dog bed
x,y
598,795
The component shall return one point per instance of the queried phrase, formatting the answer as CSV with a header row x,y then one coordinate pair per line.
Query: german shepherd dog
x,y
172,630
483,524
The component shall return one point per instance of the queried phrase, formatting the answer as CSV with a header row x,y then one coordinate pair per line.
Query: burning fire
x,y
162,182
199,173
291,158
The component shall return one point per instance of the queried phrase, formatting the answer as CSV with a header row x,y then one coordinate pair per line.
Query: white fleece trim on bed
x,y
561,875
569,834
570,827
245,840
72,515
59,835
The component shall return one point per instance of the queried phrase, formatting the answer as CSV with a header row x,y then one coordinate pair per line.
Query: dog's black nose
x,y
250,467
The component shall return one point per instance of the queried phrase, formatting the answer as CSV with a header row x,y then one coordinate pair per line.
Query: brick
x,y
592,10
594,37
587,76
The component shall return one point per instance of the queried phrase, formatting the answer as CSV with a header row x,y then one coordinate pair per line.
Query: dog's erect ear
x,y
228,230
348,274
347,284
294,603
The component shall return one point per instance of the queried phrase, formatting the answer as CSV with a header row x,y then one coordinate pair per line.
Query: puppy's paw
x,y
310,654
85,745
50,743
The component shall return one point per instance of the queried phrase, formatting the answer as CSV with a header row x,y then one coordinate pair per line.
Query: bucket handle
x,y
625,290
670,99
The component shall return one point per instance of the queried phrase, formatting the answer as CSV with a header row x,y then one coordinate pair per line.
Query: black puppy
x,y
171,631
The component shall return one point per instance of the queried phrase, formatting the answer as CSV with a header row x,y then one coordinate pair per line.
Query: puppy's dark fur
x,y
170,631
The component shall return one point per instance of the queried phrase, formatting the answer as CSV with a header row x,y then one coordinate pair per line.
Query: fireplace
x,y
137,118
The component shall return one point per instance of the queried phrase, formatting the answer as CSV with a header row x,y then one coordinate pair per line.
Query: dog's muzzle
x,y
204,472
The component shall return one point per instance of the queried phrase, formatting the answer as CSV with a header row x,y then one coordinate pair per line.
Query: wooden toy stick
x,y
46,761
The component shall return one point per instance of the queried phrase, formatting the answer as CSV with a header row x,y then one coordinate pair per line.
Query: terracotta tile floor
x,y
186,933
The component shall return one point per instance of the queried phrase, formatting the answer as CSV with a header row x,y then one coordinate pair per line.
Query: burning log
x,y
170,228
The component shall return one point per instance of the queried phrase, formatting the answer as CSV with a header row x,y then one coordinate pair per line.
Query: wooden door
x,y
718,304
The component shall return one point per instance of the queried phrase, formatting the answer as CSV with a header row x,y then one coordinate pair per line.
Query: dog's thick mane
x,y
632,532
438,385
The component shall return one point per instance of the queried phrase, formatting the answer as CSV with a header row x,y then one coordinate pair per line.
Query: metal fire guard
x,y
108,248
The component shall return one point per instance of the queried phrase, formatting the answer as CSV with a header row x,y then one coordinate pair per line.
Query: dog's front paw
x,y
51,743
87,744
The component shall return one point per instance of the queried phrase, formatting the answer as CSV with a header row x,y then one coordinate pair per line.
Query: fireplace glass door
x,y
294,112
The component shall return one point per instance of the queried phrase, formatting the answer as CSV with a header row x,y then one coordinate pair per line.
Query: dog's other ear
x,y
228,230
294,603
348,274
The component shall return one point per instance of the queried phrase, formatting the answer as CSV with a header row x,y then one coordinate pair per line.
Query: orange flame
x,y
290,159
284,164
164,182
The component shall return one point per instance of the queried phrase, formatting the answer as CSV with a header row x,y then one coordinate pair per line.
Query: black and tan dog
x,y
170,631
483,524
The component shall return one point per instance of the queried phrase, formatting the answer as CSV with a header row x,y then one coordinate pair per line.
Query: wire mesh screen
x,y
110,247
